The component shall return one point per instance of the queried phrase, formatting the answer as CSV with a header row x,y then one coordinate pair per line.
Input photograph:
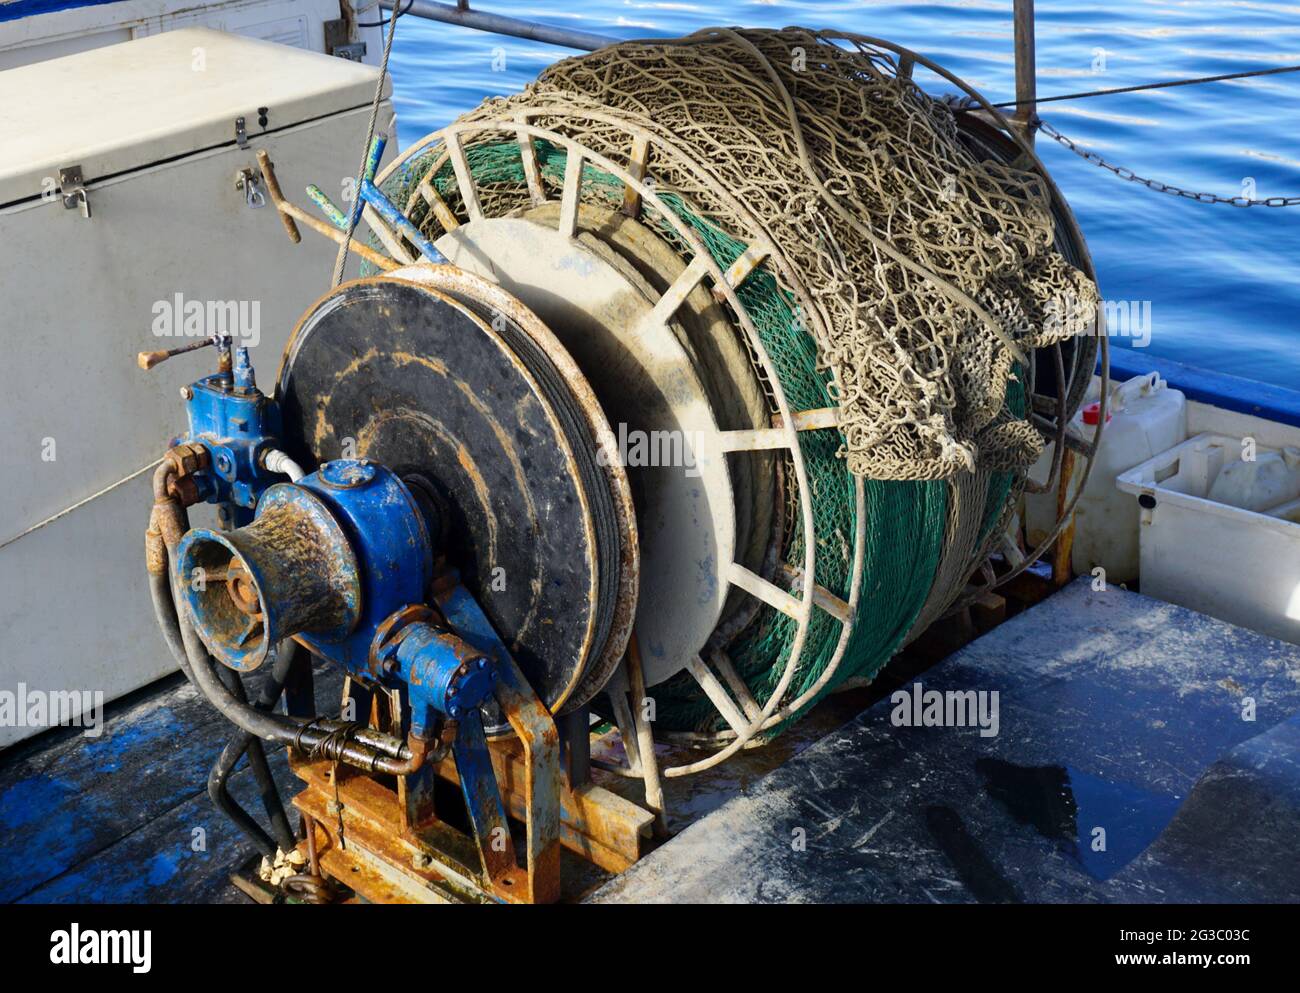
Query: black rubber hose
x,y
164,610
221,798
267,698
242,742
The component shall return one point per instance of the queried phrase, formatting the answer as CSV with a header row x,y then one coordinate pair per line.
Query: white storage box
x,y
1234,564
152,124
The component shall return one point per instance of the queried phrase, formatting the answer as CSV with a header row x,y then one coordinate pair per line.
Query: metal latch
x,y
241,129
73,190
249,181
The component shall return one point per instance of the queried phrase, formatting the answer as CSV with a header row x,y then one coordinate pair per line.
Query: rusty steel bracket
x,y
371,847
375,839
384,855
540,739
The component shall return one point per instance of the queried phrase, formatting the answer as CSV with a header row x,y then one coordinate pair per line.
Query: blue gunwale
x,y
31,8
1218,389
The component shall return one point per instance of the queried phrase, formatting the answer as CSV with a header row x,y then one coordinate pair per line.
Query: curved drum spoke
x,y
464,178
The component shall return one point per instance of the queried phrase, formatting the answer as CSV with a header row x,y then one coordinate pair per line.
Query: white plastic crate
x,y
1234,564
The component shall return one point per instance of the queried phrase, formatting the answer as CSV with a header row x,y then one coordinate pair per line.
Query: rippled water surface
x,y
1223,282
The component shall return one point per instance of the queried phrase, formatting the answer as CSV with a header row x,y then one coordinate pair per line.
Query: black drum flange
x,y
454,393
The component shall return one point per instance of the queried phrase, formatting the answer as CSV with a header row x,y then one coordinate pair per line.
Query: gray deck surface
x,y
1117,712
125,817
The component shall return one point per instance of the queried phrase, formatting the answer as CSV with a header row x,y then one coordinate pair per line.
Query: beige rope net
x,y
931,273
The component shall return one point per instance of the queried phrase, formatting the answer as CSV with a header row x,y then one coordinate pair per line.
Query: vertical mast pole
x,y
1026,73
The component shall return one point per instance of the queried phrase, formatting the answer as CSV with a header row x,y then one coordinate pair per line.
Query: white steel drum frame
x,y
745,717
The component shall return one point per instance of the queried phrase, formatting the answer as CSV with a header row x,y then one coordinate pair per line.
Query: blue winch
x,y
345,562
342,561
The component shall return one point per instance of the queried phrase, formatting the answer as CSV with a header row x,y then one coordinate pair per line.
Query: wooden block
x,y
989,611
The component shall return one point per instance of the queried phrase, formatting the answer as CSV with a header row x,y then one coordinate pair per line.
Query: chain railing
x,y
1155,184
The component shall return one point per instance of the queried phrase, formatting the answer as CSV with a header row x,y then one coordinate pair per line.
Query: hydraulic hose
x,y
221,798
306,734
220,773
242,742
277,461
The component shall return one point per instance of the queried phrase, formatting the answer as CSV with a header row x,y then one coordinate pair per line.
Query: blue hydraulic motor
x,y
342,561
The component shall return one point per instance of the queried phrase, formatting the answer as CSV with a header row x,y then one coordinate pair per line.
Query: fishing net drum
x,y
831,321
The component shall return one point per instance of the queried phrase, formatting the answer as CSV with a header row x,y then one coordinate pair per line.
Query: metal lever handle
x,y
147,360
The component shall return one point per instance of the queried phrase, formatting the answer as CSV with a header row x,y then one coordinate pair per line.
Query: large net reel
x,y
857,310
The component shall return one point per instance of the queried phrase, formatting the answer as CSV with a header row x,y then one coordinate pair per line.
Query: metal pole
x,y
645,742
575,738
1026,71
498,24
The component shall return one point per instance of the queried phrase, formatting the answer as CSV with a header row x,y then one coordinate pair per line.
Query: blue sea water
x,y
1222,282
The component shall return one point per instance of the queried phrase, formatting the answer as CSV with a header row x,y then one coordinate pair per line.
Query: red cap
x,y
1092,413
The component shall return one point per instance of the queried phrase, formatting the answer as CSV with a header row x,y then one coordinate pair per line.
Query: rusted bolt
x,y
240,586
421,861
188,458
184,490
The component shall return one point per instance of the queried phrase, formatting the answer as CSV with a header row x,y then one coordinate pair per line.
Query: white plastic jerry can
x,y
1143,418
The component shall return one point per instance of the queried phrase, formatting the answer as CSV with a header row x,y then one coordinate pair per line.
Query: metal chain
x,y
1159,187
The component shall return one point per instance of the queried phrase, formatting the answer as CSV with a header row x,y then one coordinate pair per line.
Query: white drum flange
x,y
657,406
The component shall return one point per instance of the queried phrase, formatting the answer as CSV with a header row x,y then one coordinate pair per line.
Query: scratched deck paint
x,y
1117,713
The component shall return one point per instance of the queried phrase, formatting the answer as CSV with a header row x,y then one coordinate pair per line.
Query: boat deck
x,y
125,817
1116,712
